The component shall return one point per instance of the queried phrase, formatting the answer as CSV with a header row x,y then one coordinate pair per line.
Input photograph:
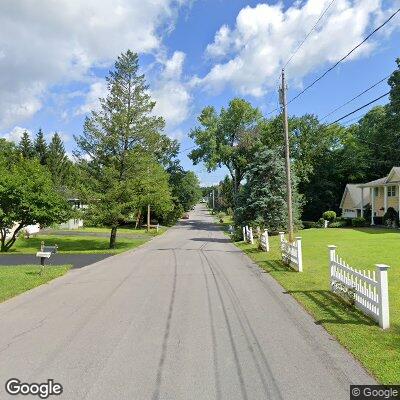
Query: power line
x,y
309,33
346,56
355,97
358,109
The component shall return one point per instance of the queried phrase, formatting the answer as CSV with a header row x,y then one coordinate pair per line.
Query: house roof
x,y
393,177
353,191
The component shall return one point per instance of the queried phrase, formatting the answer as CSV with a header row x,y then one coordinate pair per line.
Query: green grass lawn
x,y
133,231
74,244
17,279
378,350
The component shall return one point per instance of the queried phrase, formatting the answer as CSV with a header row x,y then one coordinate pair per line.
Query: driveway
x,y
187,316
76,260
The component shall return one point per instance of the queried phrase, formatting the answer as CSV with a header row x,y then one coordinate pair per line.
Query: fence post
x,y
251,235
332,256
281,236
299,254
244,234
266,240
383,295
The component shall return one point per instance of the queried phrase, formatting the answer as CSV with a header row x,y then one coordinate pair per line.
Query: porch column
x,y
398,198
362,202
385,198
372,205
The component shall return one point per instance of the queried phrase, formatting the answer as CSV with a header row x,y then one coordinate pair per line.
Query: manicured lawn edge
x,y
18,279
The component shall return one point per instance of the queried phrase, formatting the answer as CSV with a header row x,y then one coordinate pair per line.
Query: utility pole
x,y
283,101
213,199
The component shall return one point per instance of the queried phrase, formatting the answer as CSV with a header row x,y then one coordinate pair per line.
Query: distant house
x,y
351,204
74,223
379,194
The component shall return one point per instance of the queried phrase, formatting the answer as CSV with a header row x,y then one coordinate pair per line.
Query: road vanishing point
x,y
187,316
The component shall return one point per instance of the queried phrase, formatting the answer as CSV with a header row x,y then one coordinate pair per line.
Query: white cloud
x,y
15,134
265,36
60,41
171,93
97,90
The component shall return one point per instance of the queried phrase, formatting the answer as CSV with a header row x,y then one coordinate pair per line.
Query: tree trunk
x,y
148,217
113,237
139,214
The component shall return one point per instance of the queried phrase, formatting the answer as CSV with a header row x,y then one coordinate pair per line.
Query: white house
x,y
384,193
74,223
352,203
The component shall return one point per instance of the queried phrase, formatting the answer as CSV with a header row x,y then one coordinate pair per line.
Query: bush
x,y
320,223
329,216
391,217
337,224
358,222
309,224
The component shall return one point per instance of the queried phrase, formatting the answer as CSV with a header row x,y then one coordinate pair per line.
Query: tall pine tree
x,y
25,146
57,160
116,138
40,147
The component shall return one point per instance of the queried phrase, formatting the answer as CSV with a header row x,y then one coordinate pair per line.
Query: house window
x,y
376,192
391,190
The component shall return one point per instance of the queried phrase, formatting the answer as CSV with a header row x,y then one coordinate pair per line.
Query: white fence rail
x,y
248,234
264,240
369,290
291,252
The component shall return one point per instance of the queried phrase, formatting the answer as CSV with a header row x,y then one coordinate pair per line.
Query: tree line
x,y
325,157
122,165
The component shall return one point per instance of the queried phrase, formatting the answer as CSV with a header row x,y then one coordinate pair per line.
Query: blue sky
x,y
195,53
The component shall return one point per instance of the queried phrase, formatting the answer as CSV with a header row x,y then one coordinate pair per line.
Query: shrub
x,y
309,224
329,216
391,217
337,224
320,223
358,222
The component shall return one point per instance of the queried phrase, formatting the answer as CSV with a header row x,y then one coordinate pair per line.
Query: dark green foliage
x,y
308,224
229,138
185,186
126,148
262,199
391,217
27,196
25,146
57,161
40,147
359,222
338,224
329,216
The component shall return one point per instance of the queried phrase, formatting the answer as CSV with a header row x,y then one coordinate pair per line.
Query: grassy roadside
x,y
129,231
70,244
377,350
18,279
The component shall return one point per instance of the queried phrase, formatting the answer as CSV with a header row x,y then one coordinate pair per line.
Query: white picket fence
x,y
291,252
264,240
248,234
370,290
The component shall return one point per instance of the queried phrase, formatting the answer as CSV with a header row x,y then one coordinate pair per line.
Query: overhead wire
x,y
345,56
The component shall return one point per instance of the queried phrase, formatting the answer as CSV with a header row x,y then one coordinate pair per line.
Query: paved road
x,y
185,317
76,260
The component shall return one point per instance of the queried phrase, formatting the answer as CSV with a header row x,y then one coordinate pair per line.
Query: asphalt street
x,y
187,316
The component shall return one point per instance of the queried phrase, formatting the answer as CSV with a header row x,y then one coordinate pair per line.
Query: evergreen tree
x,y
40,147
117,138
57,161
262,199
25,146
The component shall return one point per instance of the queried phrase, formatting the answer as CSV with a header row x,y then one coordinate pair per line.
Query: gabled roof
x,y
353,191
393,177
